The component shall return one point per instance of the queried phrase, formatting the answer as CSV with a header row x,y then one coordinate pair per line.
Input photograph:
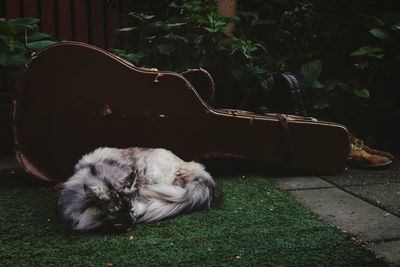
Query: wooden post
x,y
228,8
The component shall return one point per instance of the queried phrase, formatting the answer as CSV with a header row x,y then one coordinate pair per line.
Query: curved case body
x,y
73,97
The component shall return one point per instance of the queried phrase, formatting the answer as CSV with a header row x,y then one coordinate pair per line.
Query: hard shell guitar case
x,y
73,97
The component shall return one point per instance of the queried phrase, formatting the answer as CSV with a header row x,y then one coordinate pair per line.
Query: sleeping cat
x,y
117,188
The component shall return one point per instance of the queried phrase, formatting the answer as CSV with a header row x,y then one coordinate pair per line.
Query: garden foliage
x,y
341,50
180,35
18,39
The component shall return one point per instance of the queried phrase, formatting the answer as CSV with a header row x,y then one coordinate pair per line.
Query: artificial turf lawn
x,y
255,225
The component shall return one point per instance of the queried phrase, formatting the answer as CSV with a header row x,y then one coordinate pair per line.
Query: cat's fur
x,y
120,187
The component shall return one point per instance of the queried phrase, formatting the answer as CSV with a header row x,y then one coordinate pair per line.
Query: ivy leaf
x,y
311,71
361,92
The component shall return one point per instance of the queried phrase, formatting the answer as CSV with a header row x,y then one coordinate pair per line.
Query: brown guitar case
x,y
73,98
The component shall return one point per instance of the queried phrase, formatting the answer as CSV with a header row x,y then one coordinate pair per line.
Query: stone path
x,y
363,203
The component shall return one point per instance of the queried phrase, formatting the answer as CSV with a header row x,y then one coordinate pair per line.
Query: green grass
x,y
255,225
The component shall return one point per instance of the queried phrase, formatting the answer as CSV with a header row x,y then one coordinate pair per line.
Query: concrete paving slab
x,y
296,183
390,251
367,176
386,196
349,213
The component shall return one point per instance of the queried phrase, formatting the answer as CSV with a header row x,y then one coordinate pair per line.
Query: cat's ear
x,y
129,179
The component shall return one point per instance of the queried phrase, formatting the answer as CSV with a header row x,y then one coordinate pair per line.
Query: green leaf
x,y
361,92
364,64
182,38
118,51
12,46
134,58
127,29
174,5
20,29
317,85
396,27
39,36
330,85
5,28
166,49
141,16
12,60
381,34
35,46
220,24
172,25
198,39
24,21
213,30
378,56
311,71
367,50
149,38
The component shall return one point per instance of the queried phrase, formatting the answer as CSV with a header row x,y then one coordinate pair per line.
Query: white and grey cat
x,y
118,188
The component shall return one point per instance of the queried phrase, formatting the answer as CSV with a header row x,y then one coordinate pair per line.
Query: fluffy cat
x,y
117,188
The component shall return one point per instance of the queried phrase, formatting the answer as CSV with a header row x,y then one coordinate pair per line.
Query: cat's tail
x,y
162,201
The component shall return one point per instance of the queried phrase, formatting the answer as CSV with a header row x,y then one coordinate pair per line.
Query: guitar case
x,y
74,97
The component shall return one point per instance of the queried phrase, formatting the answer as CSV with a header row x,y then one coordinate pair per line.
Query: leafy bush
x,y
346,53
18,39
190,34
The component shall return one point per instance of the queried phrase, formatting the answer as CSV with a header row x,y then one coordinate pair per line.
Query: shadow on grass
x,y
19,178
235,167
